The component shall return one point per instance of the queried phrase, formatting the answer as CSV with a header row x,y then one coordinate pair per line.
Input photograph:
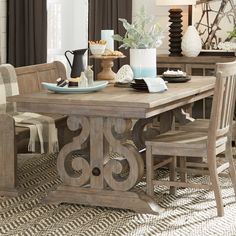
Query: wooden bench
x,y
15,140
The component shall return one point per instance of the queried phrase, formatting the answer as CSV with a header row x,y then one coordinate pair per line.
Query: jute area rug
x,y
190,212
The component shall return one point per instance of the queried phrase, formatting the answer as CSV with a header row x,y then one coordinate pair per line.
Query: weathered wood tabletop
x,y
106,119
118,102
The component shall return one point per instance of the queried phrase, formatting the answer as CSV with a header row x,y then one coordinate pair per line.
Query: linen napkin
x,y
155,84
42,128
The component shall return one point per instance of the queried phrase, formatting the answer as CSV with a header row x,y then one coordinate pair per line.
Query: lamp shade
x,y
175,2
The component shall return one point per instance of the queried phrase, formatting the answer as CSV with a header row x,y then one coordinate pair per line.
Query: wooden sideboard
x,y
201,65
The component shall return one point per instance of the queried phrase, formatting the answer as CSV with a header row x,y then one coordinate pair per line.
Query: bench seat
x,y
15,139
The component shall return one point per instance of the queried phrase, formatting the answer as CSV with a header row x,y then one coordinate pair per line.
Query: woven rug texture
x,y
189,212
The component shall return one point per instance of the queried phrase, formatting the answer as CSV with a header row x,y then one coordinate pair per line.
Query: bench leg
x,y
7,156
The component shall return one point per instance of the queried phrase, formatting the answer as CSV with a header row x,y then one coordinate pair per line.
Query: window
x,y
54,30
67,27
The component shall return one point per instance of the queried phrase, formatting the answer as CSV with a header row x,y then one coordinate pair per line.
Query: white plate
x,y
97,85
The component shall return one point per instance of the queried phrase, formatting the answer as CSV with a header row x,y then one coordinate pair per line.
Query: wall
x,y
3,31
161,14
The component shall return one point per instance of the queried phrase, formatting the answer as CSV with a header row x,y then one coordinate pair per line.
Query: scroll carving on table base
x,y
74,171
116,132
141,131
100,181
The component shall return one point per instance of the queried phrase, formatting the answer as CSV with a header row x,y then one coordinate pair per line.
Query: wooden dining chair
x,y
199,143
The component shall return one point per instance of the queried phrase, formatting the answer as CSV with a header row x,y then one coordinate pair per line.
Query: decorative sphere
x,y
125,74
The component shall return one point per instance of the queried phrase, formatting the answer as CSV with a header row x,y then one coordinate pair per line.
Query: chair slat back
x,y
228,102
223,101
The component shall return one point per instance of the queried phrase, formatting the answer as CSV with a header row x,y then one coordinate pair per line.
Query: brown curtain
x,y
27,32
104,14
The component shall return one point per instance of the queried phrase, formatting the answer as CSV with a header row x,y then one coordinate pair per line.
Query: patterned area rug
x,y
190,212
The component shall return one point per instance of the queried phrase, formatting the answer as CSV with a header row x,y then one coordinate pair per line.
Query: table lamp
x,y
175,31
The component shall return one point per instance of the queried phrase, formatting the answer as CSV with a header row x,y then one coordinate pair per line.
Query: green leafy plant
x,y
144,32
232,33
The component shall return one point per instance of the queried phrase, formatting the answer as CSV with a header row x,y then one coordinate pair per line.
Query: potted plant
x,y
142,36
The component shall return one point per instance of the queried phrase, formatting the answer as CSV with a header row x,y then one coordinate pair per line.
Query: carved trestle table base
x,y
97,180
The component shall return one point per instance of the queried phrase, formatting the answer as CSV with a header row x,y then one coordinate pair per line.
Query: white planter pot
x,y
191,42
143,62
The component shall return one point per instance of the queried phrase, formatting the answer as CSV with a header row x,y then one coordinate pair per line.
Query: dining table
x,y
112,120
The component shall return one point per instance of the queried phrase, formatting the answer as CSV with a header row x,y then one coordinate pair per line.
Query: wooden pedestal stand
x,y
107,63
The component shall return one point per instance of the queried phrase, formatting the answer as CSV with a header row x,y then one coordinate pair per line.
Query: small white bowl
x,y
97,49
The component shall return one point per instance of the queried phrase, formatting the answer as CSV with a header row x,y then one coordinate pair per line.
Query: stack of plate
x,y
139,84
176,78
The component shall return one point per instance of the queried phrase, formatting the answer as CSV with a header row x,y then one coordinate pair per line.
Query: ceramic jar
x,y
191,42
143,62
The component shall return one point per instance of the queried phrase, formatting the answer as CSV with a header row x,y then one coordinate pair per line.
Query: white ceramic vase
x,y
191,42
143,62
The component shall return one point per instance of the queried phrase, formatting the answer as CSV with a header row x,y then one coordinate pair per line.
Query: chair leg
x,y
232,172
216,185
149,171
173,174
182,164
